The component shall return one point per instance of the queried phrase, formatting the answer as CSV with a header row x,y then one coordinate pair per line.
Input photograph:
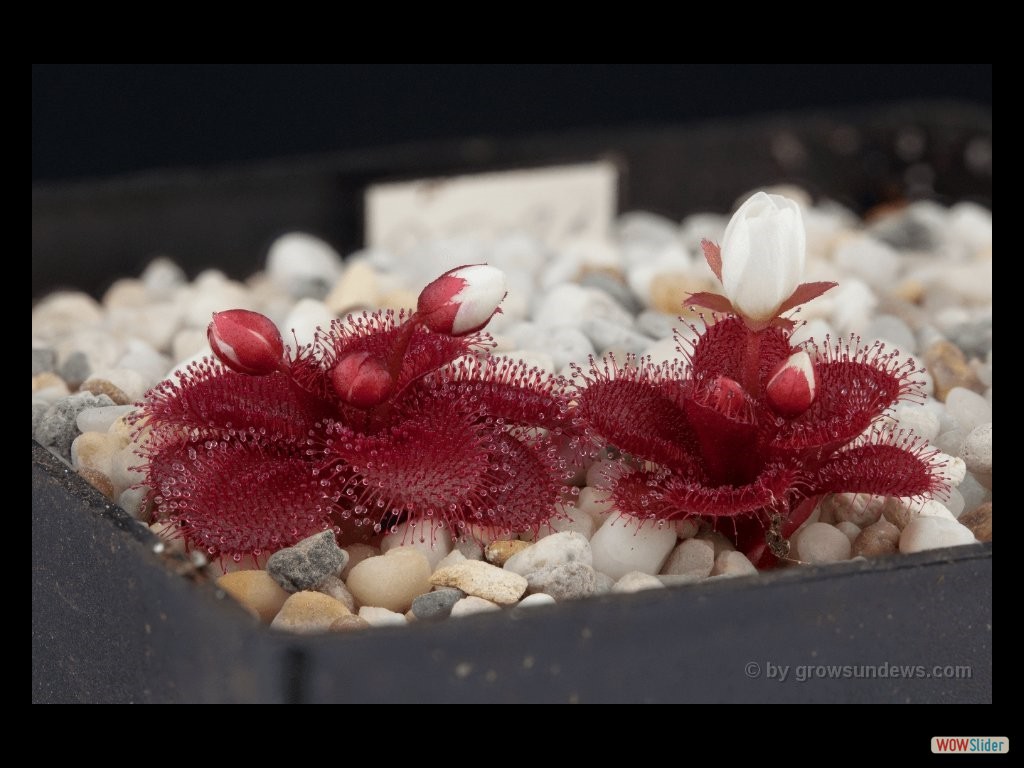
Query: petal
x,y
763,255
805,292
711,301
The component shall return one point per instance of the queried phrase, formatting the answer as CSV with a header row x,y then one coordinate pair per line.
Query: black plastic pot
x,y
111,622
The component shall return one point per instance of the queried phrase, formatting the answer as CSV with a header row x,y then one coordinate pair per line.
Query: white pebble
x,y
100,419
977,449
570,304
381,617
871,260
933,532
895,331
306,316
847,528
955,503
537,598
469,605
729,562
620,546
435,543
692,557
821,543
922,421
572,519
162,277
968,408
303,265
635,581
557,549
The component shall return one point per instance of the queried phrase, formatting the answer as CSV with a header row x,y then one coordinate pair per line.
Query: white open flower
x,y
763,254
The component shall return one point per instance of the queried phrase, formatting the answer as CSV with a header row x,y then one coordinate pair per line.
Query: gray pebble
x,y
75,369
893,330
657,325
608,335
603,583
44,360
39,409
977,449
305,565
617,289
57,429
974,338
564,582
437,604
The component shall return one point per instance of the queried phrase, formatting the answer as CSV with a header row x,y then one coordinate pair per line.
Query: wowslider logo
x,y
977,745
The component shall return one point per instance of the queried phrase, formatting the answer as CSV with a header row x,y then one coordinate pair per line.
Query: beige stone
x,y
480,579
392,580
497,552
879,538
356,554
309,613
949,368
256,590
979,521
349,624
355,289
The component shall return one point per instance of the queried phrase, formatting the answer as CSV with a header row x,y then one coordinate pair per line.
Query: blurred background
x,y
91,121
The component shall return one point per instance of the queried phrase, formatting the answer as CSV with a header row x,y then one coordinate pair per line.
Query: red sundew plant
x,y
752,430
385,417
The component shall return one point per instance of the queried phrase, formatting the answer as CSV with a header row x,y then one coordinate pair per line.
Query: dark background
x,y
101,120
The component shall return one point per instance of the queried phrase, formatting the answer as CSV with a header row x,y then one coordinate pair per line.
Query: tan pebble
x,y
255,589
349,624
732,563
121,385
481,579
949,368
911,291
46,380
355,289
880,538
309,612
334,587
497,552
356,554
861,509
95,451
127,292
669,291
99,481
897,512
397,300
392,580
979,521
717,540
691,557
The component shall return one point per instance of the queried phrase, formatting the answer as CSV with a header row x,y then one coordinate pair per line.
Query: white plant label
x,y
554,204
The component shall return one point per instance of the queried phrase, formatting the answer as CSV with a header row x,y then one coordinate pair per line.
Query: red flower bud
x,y
245,341
791,388
362,380
462,300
